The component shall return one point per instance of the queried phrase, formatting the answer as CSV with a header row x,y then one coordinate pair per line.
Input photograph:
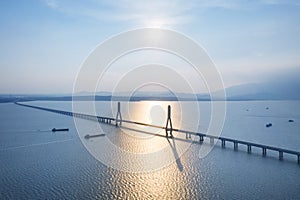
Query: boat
x,y
60,129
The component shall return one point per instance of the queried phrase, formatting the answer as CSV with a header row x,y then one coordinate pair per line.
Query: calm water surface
x,y
38,164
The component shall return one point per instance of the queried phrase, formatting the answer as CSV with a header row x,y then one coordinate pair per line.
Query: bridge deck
x,y
110,120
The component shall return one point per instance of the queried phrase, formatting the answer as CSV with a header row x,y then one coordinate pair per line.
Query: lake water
x,y
38,164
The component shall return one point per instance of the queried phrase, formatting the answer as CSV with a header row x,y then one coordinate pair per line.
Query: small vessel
x,y
60,129
268,125
92,136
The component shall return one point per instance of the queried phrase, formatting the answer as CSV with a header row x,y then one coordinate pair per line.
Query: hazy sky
x,y
44,42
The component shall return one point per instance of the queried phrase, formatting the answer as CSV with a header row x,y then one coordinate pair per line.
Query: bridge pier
x,y
188,135
201,139
280,155
298,159
264,151
248,148
223,143
235,146
212,141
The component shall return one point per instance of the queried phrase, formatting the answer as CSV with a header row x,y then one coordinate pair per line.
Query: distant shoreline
x,y
12,99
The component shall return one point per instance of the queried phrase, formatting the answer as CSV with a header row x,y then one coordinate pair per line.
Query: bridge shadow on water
x,y
171,142
175,153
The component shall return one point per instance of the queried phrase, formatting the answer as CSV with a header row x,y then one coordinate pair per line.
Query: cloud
x,y
140,13
166,13
51,3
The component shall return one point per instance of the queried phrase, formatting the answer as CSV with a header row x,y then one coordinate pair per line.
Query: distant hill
x,y
283,86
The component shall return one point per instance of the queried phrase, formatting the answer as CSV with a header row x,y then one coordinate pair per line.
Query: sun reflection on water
x,y
138,148
151,112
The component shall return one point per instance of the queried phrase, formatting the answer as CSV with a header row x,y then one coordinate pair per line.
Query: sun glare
x,y
156,23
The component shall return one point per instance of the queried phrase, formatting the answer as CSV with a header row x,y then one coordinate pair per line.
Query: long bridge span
x,y
169,129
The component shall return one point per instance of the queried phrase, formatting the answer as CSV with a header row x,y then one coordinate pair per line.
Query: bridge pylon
x,y
119,115
169,127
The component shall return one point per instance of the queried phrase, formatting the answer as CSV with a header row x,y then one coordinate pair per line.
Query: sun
x,y
156,23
